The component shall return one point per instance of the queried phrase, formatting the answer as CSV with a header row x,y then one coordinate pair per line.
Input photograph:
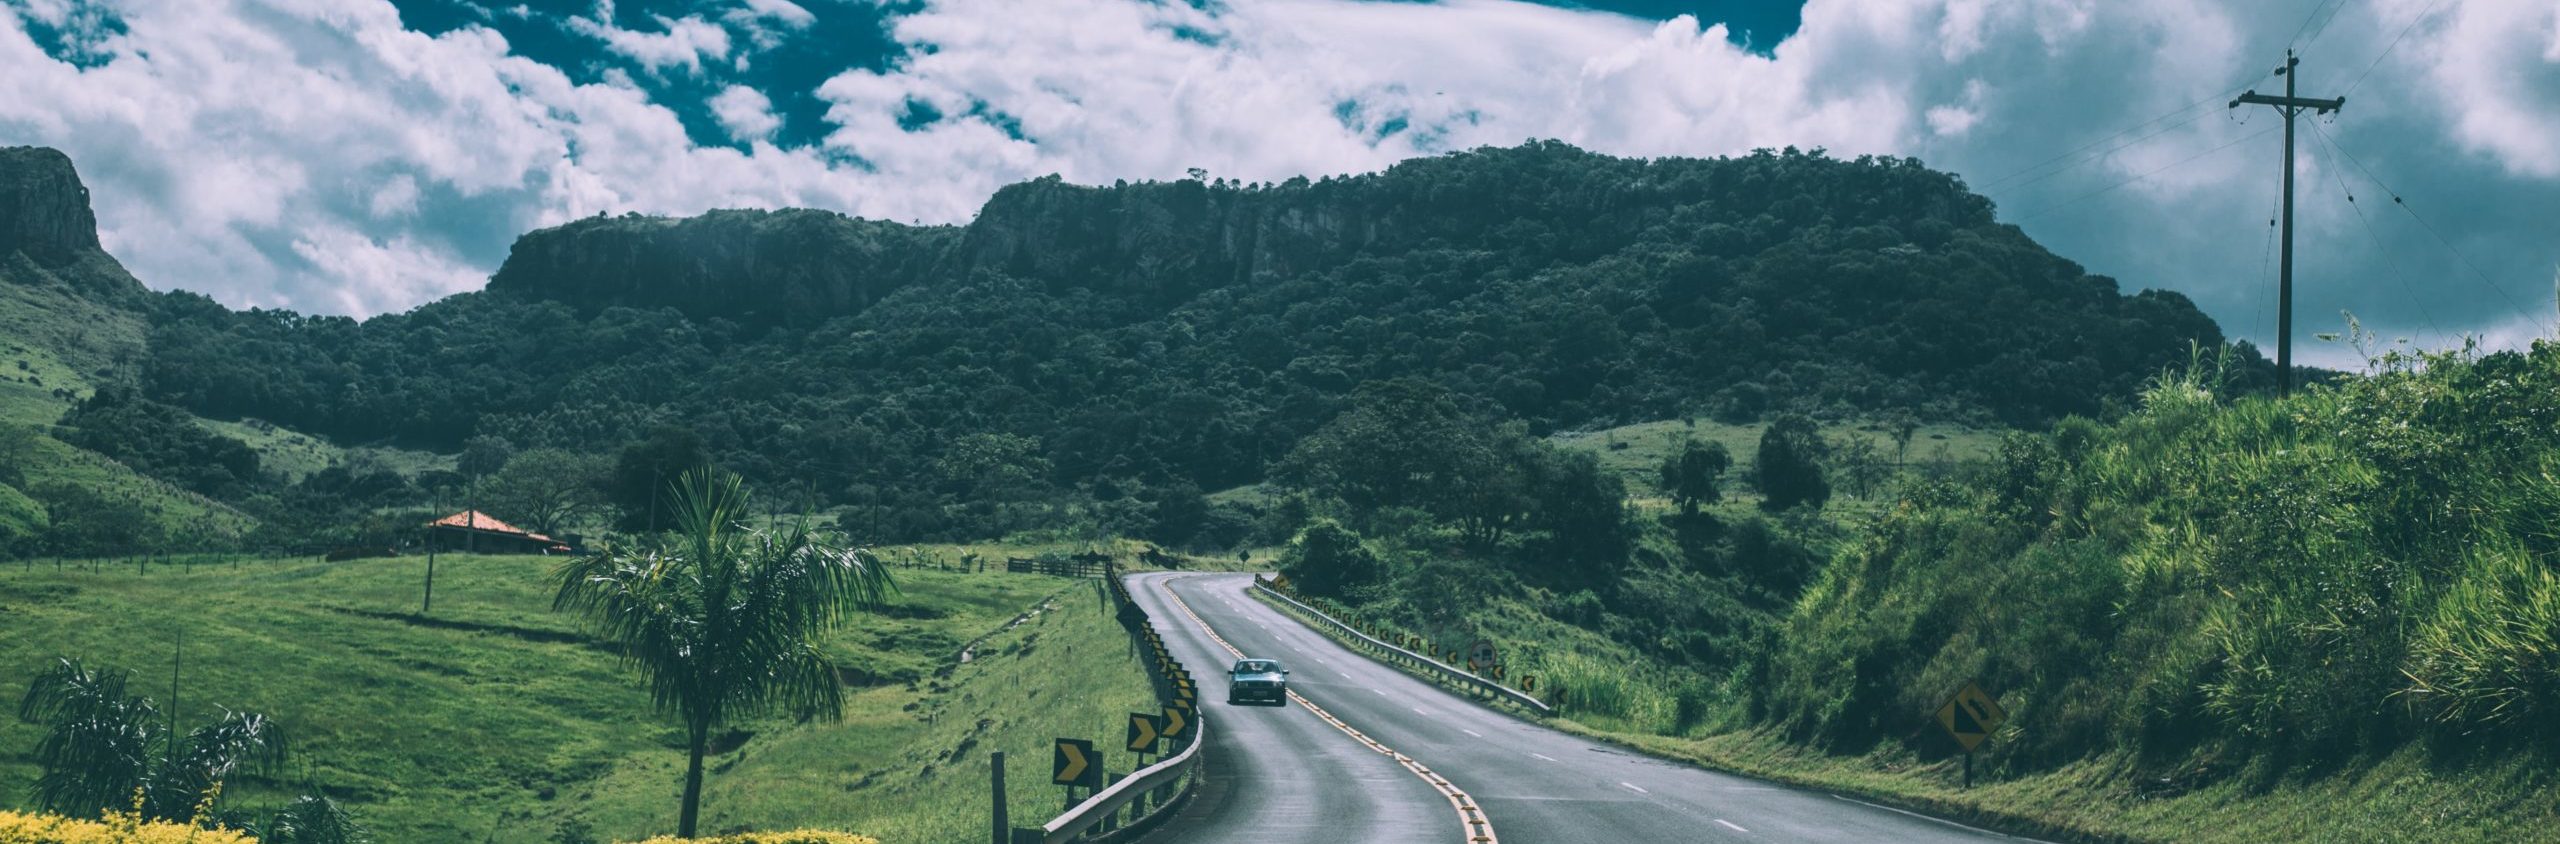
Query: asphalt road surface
x,y
1287,774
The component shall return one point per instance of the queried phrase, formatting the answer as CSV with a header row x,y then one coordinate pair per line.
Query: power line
x,y
2075,151
2396,272
2296,40
2403,203
2323,28
2395,44
2050,209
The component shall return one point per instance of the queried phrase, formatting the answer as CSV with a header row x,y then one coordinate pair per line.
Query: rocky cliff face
x,y
1166,239
44,210
791,267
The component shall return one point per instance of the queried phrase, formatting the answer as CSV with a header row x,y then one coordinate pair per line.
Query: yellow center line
x,y
1477,827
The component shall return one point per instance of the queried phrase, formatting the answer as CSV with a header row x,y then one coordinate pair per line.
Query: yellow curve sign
x,y
1074,763
1971,715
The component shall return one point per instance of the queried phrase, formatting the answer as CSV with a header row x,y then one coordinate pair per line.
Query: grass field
x,y
296,455
1637,450
495,719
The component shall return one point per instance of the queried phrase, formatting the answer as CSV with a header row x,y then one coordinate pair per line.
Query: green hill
x,y
1110,348
496,719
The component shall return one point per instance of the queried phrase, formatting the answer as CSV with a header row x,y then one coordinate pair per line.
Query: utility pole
x,y
2289,106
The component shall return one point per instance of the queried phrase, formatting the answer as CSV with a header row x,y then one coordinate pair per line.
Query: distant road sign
x,y
1076,764
1971,715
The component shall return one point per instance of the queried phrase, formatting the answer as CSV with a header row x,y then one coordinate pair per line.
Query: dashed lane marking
x,y
1477,828
1635,788
1470,732
1544,756
1732,826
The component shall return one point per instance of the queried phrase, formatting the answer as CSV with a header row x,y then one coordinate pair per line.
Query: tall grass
x,y
2336,573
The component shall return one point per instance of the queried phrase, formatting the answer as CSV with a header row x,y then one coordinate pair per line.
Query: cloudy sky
x,y
366,156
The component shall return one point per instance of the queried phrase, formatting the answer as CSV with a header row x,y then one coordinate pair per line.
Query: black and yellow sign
x,y
1143,729
1076,764
1280,582
1177,722
1970,716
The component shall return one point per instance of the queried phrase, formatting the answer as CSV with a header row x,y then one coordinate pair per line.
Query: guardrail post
x,y
1111,820
1003,825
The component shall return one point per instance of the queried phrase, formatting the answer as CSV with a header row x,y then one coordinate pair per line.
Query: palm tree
x,y
725,619
100,746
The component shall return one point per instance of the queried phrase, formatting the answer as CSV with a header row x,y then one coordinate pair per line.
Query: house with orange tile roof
x,y
472,530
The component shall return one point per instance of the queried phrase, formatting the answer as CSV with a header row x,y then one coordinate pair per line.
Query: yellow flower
x,y
114,828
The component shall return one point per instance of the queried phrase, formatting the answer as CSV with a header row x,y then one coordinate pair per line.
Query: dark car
x,y
1258,681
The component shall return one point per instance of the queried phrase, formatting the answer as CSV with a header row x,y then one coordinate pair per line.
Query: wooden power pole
x,y
2290,106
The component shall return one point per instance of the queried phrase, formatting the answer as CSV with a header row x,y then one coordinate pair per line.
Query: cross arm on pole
x,y
2317,106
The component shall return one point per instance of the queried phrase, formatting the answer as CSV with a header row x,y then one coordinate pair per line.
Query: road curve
x,y
1283,774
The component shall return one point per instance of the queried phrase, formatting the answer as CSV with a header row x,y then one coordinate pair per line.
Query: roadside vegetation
x,y
2214,616
499,719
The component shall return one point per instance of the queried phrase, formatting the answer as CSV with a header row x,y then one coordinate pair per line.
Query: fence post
x,y
1003,825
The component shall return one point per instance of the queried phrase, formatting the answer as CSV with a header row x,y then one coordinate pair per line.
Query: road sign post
x,y
1076,763
1969,717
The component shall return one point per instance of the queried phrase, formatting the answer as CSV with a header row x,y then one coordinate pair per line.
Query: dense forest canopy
x,y
1123,340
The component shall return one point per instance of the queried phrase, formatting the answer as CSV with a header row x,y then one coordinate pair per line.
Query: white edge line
x,y
1923,817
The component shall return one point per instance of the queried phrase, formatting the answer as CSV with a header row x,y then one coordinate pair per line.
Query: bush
x,y
2290,580
112,828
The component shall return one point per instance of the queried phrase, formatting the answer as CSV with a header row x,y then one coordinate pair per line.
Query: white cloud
x,y
2497,67
381,275
746,113
766,22
396,198
685,42
300,155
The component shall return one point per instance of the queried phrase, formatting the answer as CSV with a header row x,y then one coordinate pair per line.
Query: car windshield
x,y
1257,666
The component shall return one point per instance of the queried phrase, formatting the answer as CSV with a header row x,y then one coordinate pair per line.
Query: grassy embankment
x,y
2332,617
496,719
53,344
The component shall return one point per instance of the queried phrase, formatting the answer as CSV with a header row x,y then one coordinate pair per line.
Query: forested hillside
x,y
1100,355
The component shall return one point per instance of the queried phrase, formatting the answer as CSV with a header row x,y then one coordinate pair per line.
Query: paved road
x,y
1287,775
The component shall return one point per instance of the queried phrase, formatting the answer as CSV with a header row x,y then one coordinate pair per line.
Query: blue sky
x,y
366,156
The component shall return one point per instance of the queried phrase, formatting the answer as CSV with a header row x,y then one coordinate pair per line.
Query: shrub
x,y
111,828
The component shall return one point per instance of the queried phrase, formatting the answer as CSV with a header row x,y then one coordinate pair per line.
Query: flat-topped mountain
x,y
1190,332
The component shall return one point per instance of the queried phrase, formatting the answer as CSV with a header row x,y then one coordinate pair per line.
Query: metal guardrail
x,y
1109,802
1103,809
1446,671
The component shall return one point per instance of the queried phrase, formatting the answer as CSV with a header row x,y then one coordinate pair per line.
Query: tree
x,y
724,620
1583,508
1403,443
100,746
1329,559
547,488
643,474
1692,474
1789,467
1861,464
483,456
1903,425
